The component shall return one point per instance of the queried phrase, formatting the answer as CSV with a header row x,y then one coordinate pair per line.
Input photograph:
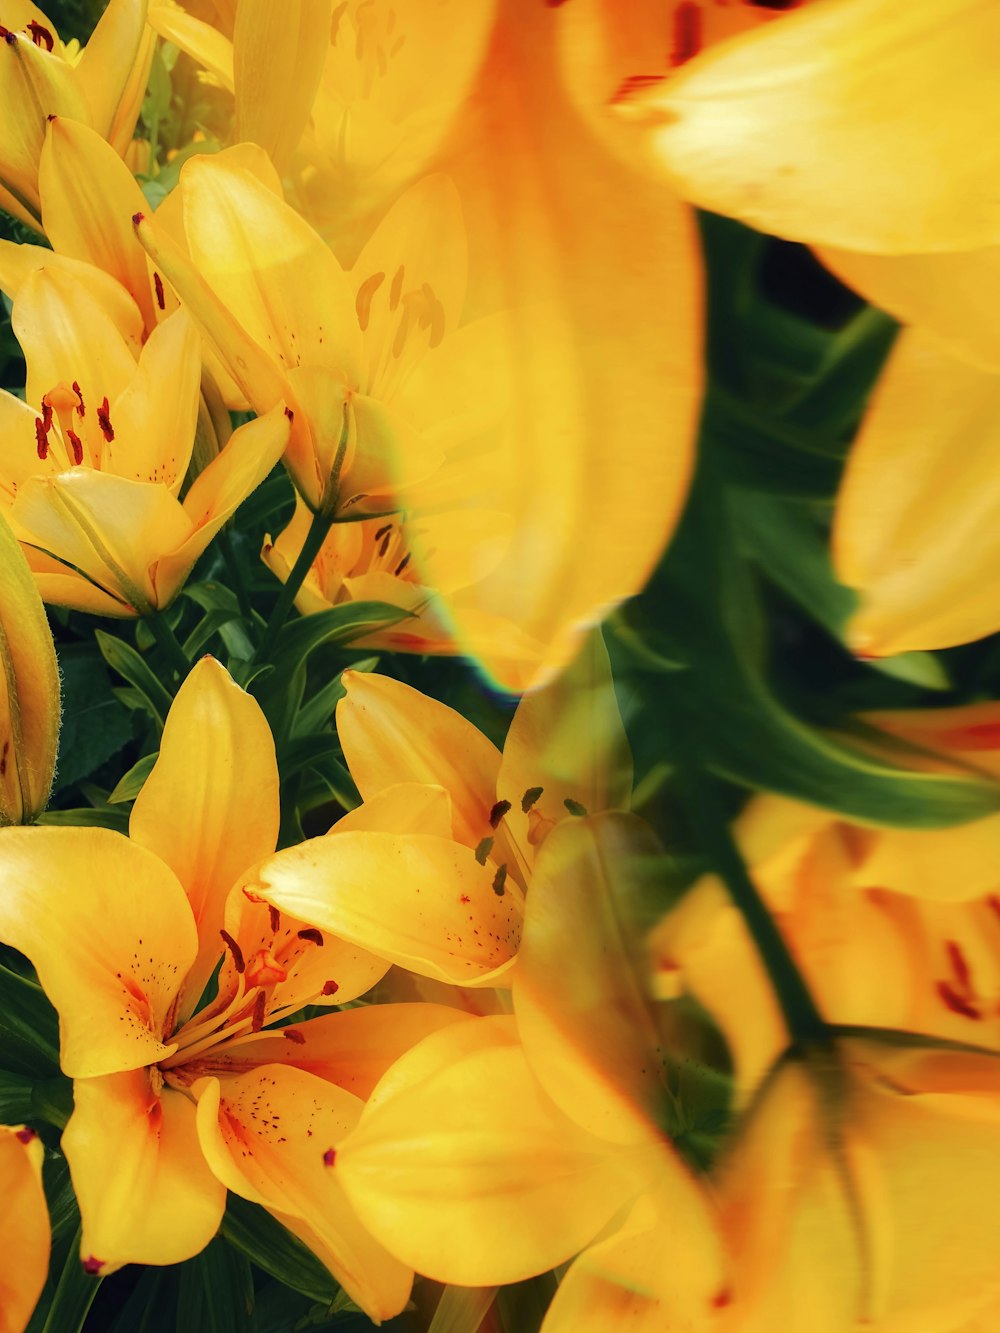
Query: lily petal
x,y
146,1194
111,960
216,772
195,38
407,807
271,1135
24,1230
18,261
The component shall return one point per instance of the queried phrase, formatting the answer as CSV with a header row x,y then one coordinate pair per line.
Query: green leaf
x,y
87,816
29,1028
266,1243
319,710
124,659
15,1098
74,1295
129,786
341,624
52,1101
215,1293
462,1309
94,724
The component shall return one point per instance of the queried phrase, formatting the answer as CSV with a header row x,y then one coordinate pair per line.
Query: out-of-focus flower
x,y
29,690
430,871
90,477
102,86
502,1147
172,1103
24,1226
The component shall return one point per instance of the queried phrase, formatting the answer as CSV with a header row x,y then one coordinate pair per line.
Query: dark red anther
x,y
259,1005
234,949
499,880
958,1004
402,564
275,918
41,438
104,420
41,35
687,33
161,300
312,935
775,4
137,218
633,84
329,1157
958,965
380,532
289,414
530,797
3,758
330,987
25,1135
293,1034
92,1266
46,416
483,850
384,544
498,812
77,445
81,406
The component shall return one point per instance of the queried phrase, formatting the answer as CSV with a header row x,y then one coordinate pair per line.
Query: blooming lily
x,y
102,86
24,1226
29,690
173,1103
90,476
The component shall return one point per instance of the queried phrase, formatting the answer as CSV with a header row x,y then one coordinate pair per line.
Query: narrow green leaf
x,y
131,784
124,659
74,1295
266,1243
87,817
341,624
29,1028
215,1293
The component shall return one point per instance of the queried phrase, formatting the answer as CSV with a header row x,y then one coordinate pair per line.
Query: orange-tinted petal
x,y
24,1228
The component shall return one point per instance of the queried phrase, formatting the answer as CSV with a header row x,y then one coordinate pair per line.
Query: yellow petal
x,y
216,772
268,1135
913,533
392,733
352,1048
111,960
196,38
88,198
417,900
24,1230
408,807
108,68
568,739
469,1173
145,1192
57,587
278,57
18,261
818,128
588,1030
29,690
955,296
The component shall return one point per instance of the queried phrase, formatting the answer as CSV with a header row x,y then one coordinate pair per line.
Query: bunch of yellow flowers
x,y
500,822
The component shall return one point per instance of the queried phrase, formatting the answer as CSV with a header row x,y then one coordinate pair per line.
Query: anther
x,y
384,544
25,1135
289,414
499,880
137,218
104,420
274,917
330,987
363,300
574,807
92,1266
81,406
293,1034
958,1004
498,812
9,37
396,290
259,1005
41,35
161,300
3,758
329,1157
402,564
530,797
41,438
234,949
483,850
312,935
77,444
380,533
687,34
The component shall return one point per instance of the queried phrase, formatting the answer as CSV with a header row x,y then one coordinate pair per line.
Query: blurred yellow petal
x,y
420,901
216,772
272,1136
407,807
113,61
916,535
856,123
392,733
469,1173
29,690
88,197
145,1192
278,56
111,959
196,38
24,1230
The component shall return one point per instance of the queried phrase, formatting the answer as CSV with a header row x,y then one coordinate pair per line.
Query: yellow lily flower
x,y
29,690
24,1227
172,1103
501,1147
102,86
446,817
90,477
913,533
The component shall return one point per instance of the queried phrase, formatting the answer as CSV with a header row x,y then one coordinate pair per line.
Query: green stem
x,y
315,537
167,641
74,1295
710,824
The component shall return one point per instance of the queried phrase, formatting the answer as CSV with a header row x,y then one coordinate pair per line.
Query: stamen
x,y
41,438
104,420
530,797
77,444
292,1034
275,918
234,949
9,37
311,934
499,879
483,850
574,807
384,544
329,1157
330,987
259,1005
161,300
363,300
81,406
402,564
41,35
498,812
396,290
687,34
